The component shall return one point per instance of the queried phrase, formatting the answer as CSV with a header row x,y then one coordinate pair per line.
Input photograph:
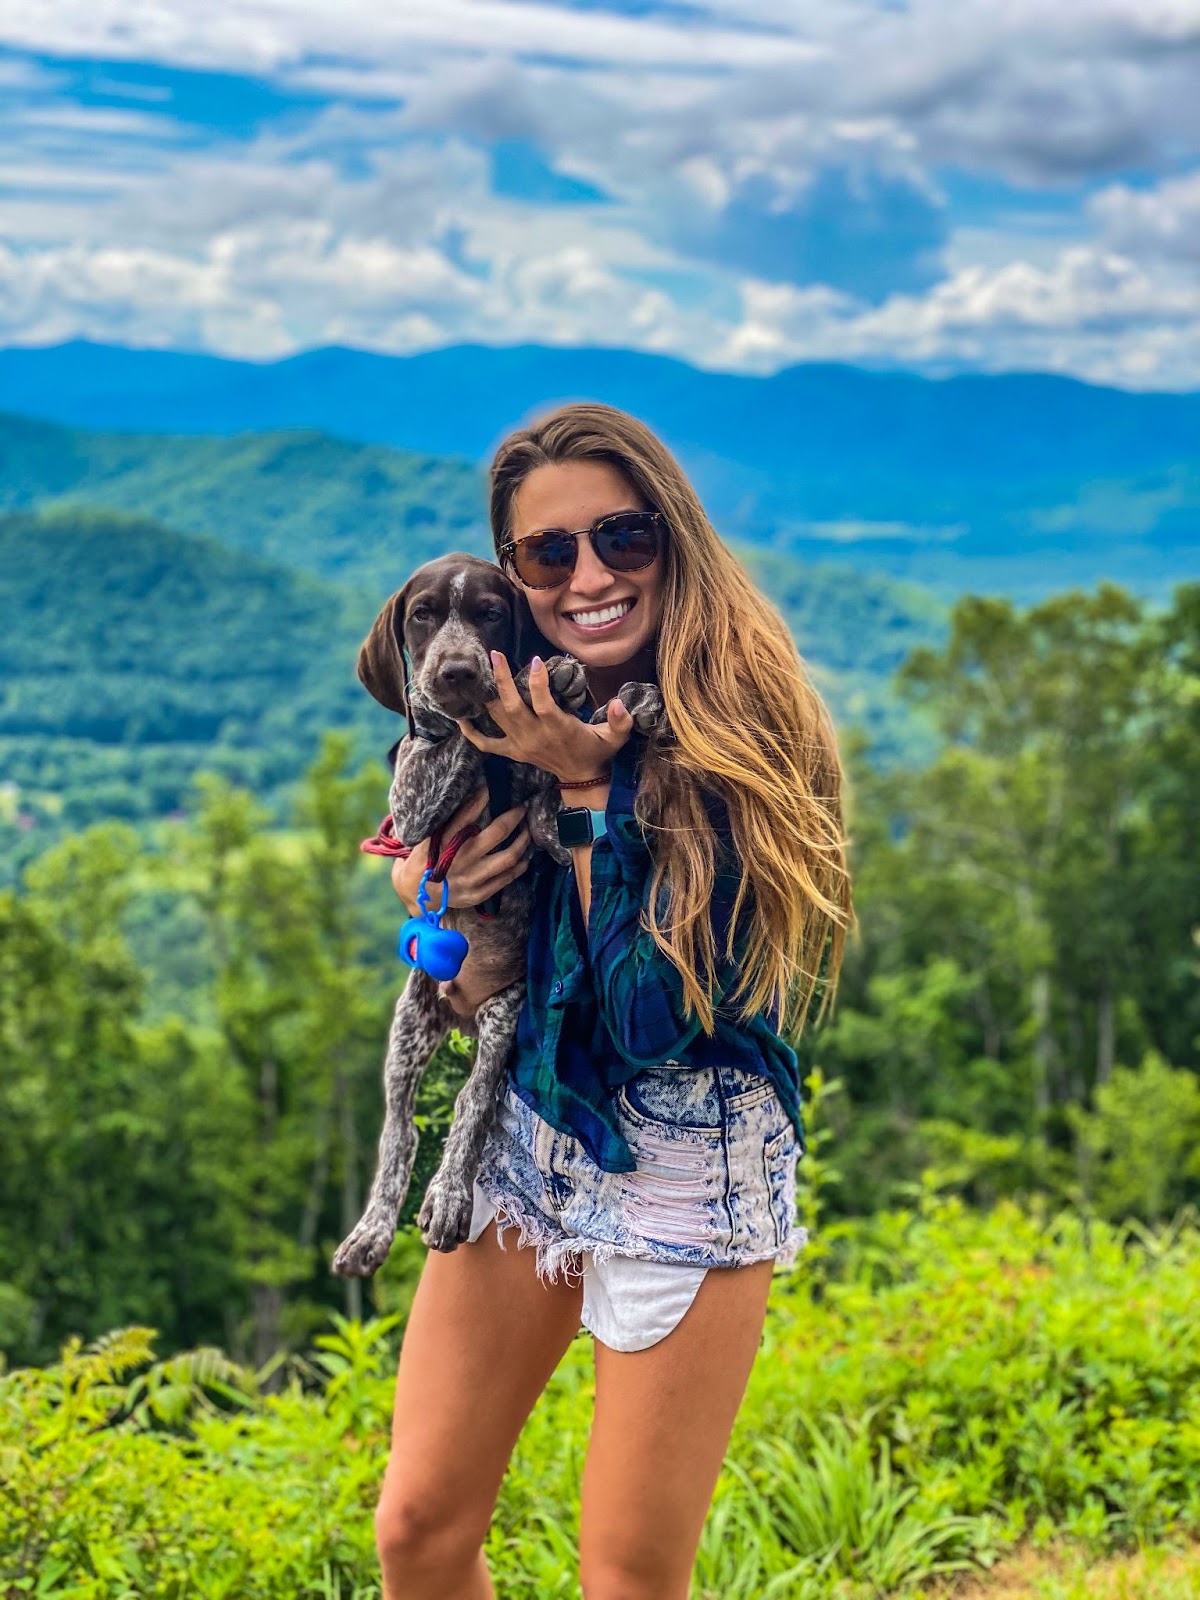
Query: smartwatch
x,y
577,825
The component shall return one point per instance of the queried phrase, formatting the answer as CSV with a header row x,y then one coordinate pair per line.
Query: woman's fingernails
x,y
535,664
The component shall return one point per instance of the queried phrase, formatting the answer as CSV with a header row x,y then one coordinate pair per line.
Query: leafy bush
x,y
934,1385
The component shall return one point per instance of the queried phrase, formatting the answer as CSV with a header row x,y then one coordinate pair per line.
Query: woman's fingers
x,y
472,807
498,829
501,880
506,690
474,880
539,688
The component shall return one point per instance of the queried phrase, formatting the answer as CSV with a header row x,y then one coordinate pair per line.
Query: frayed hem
x,y
554,1256
786,1259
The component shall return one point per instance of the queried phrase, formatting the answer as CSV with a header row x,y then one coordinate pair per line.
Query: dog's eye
x,y
420,614
492,614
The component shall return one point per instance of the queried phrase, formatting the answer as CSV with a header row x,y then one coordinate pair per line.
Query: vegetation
x,y
1028,906
193,1024
365,515
933,1387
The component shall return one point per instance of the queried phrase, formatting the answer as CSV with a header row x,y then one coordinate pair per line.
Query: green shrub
x,y
938,1384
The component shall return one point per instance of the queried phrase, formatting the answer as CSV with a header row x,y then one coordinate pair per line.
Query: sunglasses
x,y
625,541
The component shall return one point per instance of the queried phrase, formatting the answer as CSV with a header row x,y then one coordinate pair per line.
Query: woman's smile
x,y
602,619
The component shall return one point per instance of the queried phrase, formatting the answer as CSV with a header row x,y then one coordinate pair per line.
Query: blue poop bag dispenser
x,y
424,943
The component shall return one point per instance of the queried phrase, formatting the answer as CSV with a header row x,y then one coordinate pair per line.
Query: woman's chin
x,y
599,652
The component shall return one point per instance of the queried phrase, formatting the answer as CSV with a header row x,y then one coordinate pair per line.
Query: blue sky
x,y
941,185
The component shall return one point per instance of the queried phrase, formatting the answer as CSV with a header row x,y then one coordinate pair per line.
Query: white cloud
x,y
1094,314
726,142
264,36
1153,224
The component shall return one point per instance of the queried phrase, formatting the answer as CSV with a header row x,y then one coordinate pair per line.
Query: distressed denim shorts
x,y
715,1186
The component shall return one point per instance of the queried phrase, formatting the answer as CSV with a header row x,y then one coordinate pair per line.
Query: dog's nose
x,y
458,675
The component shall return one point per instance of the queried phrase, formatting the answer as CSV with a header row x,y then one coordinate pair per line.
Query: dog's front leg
x,y
445,1215
418,1024
429,784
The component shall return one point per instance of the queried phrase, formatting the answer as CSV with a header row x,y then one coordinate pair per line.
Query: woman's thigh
x,y
662,1423
482,1339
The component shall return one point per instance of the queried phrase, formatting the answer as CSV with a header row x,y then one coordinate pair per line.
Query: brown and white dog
x,y
448,616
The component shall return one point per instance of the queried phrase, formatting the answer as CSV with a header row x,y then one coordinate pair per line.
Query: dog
x,y
447,617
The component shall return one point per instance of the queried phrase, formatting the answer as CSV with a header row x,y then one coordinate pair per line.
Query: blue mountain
x,y
1021,483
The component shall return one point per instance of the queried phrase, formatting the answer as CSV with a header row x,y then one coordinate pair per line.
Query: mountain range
x,y
1019,484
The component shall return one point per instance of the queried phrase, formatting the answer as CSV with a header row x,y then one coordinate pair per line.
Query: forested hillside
x,y
133,656
362,514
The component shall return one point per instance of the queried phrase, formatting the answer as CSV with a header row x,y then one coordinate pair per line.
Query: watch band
x,y
580,825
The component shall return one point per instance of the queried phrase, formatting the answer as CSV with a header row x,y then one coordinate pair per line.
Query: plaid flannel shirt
x,y
603,1002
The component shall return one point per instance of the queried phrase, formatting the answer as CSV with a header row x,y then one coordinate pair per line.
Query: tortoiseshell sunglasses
x,y
624,541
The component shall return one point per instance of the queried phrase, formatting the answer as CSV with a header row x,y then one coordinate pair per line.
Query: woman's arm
x,y
595,798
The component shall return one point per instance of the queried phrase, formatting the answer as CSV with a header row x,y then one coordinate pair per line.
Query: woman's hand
x,y
547,736
475,874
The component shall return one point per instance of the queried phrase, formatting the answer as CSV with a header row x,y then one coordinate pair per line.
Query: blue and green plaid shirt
x,y
603,1002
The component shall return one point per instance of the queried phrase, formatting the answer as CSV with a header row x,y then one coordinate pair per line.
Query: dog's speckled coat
x,y
448,616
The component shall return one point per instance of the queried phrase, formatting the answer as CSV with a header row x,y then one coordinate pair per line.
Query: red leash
x,y
385,843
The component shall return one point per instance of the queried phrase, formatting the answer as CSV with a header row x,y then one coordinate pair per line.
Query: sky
x,y
935,185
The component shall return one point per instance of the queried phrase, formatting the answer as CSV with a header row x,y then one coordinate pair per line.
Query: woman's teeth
x,y
600,619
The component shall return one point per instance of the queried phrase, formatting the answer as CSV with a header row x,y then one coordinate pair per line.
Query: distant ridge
x,y
1018,483
361,514
461,399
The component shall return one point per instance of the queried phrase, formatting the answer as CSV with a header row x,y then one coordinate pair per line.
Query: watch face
x,y
574,827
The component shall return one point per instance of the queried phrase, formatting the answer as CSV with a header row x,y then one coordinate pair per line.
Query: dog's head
x,y
448,615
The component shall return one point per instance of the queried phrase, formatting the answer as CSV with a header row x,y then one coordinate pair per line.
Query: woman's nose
x,y
590,575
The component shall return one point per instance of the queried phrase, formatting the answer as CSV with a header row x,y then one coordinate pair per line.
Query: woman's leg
x,y
483,1338
662,1424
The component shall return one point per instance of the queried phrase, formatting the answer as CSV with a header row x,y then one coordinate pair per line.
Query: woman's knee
x,y
422,1533
613,1575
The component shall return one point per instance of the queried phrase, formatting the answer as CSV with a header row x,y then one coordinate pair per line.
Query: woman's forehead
x,y
570,494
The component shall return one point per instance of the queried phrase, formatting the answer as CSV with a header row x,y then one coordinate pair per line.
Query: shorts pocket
x,y
743,1090
668,1100
780,1155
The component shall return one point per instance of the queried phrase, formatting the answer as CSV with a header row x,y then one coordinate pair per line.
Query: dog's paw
x,y
366,1249
568,682
445,1215
644,703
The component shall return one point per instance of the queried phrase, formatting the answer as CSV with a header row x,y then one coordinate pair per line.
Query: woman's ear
x,y
381,668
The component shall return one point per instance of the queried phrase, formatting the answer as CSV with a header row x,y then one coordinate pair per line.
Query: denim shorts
x,y
715,1186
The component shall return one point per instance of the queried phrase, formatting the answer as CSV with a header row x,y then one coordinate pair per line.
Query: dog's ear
x,y
381,668
528,638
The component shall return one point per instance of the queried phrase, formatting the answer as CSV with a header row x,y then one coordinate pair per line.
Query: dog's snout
x,y
459,674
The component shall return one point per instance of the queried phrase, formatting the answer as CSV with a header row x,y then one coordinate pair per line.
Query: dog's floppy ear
x,y
528,638
381,668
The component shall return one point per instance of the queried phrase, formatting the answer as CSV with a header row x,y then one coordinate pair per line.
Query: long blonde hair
x,y
745,723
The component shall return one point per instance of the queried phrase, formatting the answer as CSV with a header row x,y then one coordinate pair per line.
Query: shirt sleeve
x,y
639,991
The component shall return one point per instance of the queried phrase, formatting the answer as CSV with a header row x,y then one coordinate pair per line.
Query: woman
x,y
647,1140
